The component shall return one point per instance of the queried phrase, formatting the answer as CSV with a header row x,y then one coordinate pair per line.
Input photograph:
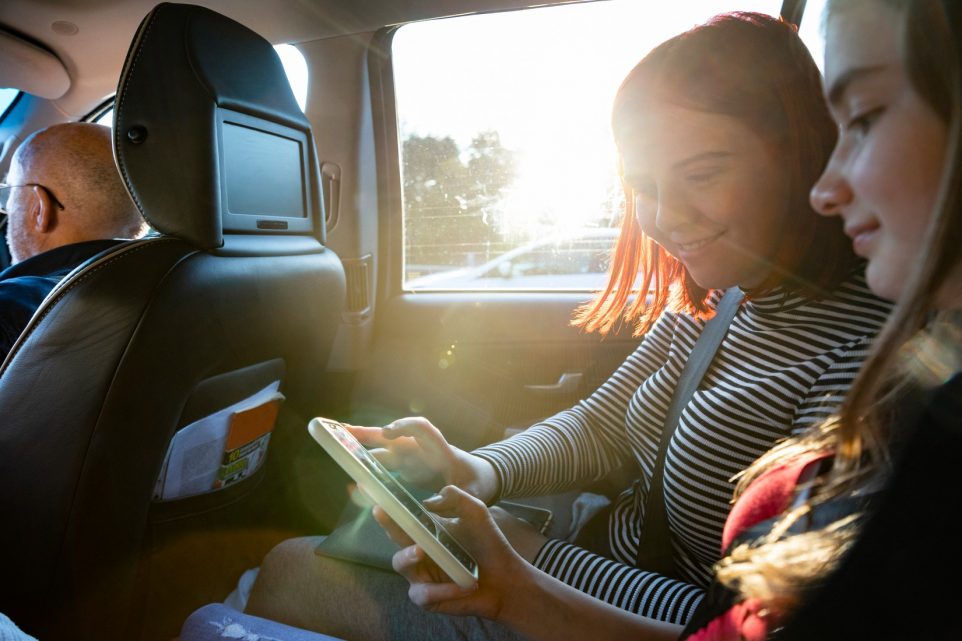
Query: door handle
x,y
568,383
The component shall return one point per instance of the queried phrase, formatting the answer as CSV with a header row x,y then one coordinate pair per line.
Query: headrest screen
x,y
263,173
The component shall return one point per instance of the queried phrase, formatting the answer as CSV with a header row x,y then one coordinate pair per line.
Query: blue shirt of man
x,y
24,286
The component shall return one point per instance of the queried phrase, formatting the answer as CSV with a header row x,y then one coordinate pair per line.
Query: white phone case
x,y
372,477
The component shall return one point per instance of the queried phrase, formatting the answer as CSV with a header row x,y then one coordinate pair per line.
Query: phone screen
x,y
412,505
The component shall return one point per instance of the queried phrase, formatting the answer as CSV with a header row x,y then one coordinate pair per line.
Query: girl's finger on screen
x,y
452,501
368,436
421,429
386,457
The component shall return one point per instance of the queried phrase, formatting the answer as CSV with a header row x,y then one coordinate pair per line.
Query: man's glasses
x,y
7,190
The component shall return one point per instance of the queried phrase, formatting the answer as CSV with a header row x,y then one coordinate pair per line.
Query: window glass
x,y
106,118
508,167
810,30
7,96
295,66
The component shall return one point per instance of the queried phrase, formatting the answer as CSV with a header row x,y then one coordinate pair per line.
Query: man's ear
x,y
43,212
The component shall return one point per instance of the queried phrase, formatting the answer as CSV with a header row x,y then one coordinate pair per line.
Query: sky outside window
x,y
544,80
525,96
7,96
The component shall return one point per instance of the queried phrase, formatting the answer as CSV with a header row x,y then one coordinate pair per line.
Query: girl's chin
x,y
883,281
718,280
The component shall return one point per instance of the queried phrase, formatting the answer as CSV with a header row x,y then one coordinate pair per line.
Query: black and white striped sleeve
x,y
645,593
583,443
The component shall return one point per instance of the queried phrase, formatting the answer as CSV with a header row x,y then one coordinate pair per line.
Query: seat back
x,y
236,290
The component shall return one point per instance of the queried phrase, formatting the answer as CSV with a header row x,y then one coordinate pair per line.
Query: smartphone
x,y
381,486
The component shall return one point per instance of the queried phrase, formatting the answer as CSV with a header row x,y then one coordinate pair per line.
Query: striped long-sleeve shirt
x,y
784,365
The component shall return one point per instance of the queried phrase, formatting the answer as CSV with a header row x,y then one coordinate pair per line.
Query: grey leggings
x,y
353,602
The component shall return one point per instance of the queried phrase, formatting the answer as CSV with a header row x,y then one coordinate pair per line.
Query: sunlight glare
x,y
544,79
296,69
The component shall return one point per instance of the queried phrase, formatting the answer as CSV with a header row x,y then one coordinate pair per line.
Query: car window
x,y
573,260
810,30
295,66
505,141
7,96
106,118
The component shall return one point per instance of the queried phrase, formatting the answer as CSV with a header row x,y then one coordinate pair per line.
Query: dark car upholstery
x,y
100,381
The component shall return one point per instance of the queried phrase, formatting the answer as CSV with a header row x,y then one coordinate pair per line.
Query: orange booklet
x,y
248,435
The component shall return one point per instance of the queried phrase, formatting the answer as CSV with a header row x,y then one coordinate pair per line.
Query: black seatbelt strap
x,y
654,549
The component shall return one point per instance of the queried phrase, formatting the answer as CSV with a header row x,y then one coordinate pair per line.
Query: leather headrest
x,y
186,65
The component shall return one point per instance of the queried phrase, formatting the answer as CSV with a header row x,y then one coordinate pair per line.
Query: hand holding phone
x,y
378,483
504,578
521,525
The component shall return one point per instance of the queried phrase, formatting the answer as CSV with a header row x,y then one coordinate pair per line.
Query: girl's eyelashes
x,y
702,177
645,191
862,122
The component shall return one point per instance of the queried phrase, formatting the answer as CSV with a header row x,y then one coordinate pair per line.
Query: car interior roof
x,y
91,38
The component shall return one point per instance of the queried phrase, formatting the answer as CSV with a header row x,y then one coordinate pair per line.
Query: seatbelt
x,y
654,549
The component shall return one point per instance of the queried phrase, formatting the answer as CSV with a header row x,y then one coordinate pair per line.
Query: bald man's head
x,y
69,165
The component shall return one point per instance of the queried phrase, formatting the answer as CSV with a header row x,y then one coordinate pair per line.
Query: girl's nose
x,y
830,193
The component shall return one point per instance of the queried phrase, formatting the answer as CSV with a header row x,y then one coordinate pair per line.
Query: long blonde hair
x,y
917,346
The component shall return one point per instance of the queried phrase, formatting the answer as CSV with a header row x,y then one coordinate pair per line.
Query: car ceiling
x,y
91,37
